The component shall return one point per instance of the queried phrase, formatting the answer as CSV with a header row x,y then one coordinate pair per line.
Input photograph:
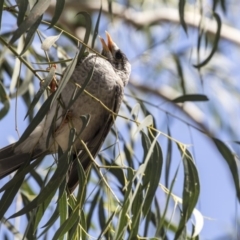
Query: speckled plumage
x,y
107,85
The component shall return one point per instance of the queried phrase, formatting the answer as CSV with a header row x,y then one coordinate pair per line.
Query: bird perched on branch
x,y
101,98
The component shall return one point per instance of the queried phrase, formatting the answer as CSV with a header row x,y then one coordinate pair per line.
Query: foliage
x,y
122,196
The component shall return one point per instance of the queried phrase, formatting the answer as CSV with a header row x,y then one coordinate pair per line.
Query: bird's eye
x,y
118,55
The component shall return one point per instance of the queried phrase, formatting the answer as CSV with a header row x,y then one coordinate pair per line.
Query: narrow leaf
x,y
180,73
154,168
57,13
49,189
67,224
229,158
95,32
181,9
22,6
20,175
215,43
30,35
8,196
67,75
4,99
191,98
36,12
88,25
191,190
43,86
1,11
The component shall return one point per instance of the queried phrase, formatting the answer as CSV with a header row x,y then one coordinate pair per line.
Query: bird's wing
x,y
95,144
11,161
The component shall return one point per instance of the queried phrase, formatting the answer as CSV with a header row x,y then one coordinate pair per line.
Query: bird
x,y
104,92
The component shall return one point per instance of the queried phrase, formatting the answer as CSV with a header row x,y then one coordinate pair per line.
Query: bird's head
x,y
117,58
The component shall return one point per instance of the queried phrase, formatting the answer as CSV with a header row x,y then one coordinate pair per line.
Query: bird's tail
x,y
11,161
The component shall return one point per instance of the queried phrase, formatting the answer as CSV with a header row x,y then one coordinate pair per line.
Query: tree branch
x,y
149,17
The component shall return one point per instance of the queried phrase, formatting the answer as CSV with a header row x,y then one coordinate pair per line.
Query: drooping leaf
x,y
181,11
35,14
4,99
88,25
66,77
50,189
122,226
20,175
30,35
43,86
191,190
137,206
191,98
57,13
95,32
152,175
215,43
1,11
180,73
67,225
9,194
229,158
168,158
22,6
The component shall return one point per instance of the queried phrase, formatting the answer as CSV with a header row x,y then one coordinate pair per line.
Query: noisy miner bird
x,y
110,76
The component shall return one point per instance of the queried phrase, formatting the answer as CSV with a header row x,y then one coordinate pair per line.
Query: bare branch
x,y
150,17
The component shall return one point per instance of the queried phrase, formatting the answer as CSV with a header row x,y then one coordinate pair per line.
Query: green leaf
x,y
191,98
30,35
228,156
105,228
4,99
35,14
1,11
50,189
88,25
41,210
67,225
180,73
215,43
21,174
50,222
95,32
57,13
191,190
137,206
123,219
93,205
102,217
8,196
181,11
67,75
22,6
63,209
82,179
154,168
168,158
43,86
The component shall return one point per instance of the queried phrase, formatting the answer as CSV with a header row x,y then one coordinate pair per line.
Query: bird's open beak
x,y
110,42
109,46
